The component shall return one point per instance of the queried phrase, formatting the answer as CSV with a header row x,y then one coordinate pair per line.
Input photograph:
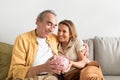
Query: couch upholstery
x,y
105,50
5,57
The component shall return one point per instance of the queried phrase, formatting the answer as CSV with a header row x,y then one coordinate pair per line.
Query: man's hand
x,y
51,66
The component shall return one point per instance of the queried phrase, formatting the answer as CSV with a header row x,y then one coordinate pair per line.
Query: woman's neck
x,y
64,45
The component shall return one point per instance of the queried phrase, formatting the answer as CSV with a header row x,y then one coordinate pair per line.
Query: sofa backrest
x,y
107,53
5,58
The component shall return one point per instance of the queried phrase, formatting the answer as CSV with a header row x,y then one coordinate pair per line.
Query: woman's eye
x,y
64,31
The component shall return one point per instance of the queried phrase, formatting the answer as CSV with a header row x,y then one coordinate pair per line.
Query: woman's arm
x,y
82,60
82,57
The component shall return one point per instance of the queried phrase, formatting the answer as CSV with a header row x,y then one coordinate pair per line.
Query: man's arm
x,y
49,66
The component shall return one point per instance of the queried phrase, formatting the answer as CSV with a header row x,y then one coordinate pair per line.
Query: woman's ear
x,y
71,37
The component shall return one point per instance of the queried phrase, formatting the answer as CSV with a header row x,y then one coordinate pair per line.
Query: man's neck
x,y
38,34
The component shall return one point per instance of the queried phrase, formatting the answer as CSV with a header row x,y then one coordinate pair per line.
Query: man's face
x,y
47,26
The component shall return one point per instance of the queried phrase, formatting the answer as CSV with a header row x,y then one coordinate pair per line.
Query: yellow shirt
x,y
24,52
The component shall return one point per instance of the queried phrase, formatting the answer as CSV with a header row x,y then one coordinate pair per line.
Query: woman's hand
x,y
86,50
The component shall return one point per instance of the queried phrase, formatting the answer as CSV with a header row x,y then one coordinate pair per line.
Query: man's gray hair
x,y
42,14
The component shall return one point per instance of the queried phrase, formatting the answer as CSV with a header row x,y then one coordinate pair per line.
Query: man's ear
x,y
37,20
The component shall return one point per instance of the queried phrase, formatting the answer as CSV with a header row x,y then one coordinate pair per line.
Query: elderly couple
x,y
32,52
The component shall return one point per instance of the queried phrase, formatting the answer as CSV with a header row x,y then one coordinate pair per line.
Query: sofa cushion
x,y
91,48
5,58
107,53
112,77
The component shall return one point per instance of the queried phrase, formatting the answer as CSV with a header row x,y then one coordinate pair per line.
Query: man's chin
x,y
61,40
47,35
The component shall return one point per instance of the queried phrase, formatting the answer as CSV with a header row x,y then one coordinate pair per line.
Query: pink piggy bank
x,y
62,61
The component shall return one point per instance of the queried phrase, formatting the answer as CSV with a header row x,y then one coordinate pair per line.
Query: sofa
x,y
5,58
105,50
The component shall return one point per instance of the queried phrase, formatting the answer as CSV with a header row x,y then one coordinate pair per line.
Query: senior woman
x,y
80,67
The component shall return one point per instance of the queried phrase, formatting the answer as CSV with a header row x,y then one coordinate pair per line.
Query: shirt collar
x,y
35,37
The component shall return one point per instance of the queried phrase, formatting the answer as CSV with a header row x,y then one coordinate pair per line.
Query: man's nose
x,y
52,28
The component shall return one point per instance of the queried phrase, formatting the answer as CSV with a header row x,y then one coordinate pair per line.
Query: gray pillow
x,y
107,53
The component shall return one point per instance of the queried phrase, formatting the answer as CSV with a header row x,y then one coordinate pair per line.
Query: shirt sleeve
x,y
18,67
79,45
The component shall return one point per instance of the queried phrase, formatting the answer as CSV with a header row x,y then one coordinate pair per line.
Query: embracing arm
x,y
82,57
81,62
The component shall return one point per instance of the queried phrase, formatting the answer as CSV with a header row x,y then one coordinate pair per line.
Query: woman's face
x,y
63,33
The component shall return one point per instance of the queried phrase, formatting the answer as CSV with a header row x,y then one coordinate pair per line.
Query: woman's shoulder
x,y
78,40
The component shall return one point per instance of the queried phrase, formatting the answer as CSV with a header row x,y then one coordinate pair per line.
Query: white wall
x,y
91,17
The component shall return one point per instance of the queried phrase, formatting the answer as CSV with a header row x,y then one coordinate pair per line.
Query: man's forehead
x,y
52,22
51,18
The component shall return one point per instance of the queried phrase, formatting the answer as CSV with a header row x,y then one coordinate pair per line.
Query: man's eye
x,y
49,24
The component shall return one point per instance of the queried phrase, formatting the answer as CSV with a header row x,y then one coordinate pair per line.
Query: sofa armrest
x,y
5,59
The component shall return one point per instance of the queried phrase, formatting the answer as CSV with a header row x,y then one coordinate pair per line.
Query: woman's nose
x,y
60,33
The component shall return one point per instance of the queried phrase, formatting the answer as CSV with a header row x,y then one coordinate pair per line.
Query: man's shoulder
x,y
53,36
26,35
